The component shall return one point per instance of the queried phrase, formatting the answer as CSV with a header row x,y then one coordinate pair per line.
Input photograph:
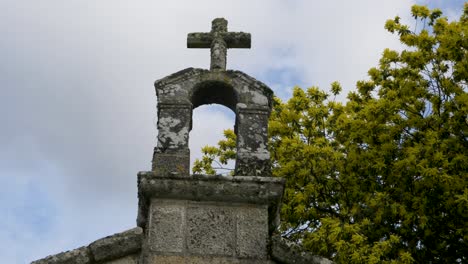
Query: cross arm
x,y
237,40
232,39
199,40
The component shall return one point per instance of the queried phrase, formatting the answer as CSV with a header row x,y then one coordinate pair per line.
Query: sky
x,y
78,106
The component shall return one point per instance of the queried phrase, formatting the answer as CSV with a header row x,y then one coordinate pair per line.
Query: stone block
x,y
253,157
166,227
175,163
204,260
238,189
210,230
174,119
167,260
117,245
212,260
132,259
250,163
252,232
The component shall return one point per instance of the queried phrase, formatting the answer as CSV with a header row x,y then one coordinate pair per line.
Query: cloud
x,y
78,103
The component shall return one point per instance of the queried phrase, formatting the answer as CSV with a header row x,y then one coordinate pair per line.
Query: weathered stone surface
x,y
253,156
173,125
77,256
132,259
252,232
118,245
248,164
161,259
289,253
176,163
211,230
203,40
166,227
204,260
250,189
171,154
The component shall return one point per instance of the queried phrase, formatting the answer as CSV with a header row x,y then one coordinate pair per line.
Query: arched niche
x,y
214,92
179,93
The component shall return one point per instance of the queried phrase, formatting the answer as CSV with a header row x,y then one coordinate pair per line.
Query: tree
x,y
382,178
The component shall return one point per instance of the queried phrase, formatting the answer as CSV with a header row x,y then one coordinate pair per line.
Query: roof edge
x,y
107,248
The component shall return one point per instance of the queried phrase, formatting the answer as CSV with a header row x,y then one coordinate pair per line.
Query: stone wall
x,y
208,229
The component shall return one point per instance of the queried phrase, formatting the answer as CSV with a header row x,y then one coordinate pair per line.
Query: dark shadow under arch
x,y
214,92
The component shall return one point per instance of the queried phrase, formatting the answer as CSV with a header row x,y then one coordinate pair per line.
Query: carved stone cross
x,y
219,40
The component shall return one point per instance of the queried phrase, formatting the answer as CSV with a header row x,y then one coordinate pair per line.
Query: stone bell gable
x,y
180,93
216,219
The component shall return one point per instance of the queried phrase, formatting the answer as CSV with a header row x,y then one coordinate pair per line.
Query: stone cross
x,y
219,40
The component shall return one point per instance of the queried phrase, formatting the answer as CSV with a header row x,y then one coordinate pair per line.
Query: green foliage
x,y
220,155
384,177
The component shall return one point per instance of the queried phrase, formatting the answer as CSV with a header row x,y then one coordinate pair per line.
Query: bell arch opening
x,y
214,92
209,122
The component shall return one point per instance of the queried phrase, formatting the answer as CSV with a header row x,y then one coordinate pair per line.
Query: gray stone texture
x,y
118,245
253,157
171,154
172,162
252,232
211,230
204,260
132,259
166,227
80,255
173,125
